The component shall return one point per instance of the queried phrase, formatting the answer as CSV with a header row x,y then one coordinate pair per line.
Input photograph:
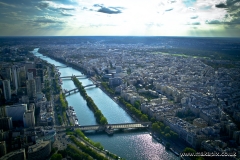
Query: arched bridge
x,y
67,93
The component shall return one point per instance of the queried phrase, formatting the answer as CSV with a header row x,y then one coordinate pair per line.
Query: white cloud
x,y
2,4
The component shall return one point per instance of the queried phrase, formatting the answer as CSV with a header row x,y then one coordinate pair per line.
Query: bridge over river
x,y
67,93
80,76
109,128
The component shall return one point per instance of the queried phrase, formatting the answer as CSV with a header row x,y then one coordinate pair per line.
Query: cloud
x,y
108,10
213,22
232,6
6,5
53,5
194,17
69,9
66,14
47,20
193,23
221,5
43,5
169,9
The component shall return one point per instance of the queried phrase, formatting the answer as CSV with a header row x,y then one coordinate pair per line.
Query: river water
x,y
130,145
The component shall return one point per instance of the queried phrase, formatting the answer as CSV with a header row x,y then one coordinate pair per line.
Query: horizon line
x,y
117,36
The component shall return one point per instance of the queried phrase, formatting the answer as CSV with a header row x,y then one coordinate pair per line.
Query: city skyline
x,y
120,18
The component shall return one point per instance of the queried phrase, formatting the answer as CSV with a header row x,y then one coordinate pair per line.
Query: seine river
x,y
130,145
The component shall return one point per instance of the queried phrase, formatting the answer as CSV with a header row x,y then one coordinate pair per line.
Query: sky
x,y
201,18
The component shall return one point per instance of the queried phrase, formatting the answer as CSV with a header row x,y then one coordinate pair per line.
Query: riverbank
x,y
176,147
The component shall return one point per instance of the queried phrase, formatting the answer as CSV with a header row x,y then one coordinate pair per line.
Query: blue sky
x,y
209,18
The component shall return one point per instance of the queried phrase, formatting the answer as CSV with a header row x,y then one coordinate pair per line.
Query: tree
x,y
153,120
144,117
155,127
129,106
167,129
103,120
56,156
189,150
137,104
167,135
98,113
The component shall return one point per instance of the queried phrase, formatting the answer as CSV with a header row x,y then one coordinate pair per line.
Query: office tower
x,y
38,84
3,149
34,71
40,73
30,75
6,123
15,77
31,88
31,107
6,89
39,65
21,77
29,118
6,72
16,111
2,111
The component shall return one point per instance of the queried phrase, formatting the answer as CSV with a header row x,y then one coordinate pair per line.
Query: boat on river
x,y
109,130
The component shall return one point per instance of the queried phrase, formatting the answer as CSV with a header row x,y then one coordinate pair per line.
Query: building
x,y
16,111
15,155
15,77
21,73
31,88
38,84
4,135
115,81
30,75
31,107
33,71
6,123
2,111
29,118
6,72
39,65
7,90
118,69
29,65
40,73
39,151
3,149
199,122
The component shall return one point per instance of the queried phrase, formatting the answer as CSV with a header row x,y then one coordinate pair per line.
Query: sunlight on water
x,y
133,146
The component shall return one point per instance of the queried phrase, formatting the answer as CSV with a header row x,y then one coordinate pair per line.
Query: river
x,y
130,145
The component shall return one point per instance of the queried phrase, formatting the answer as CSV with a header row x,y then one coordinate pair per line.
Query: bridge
x,y
83,76
108,127
76,89
41,56
61,66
